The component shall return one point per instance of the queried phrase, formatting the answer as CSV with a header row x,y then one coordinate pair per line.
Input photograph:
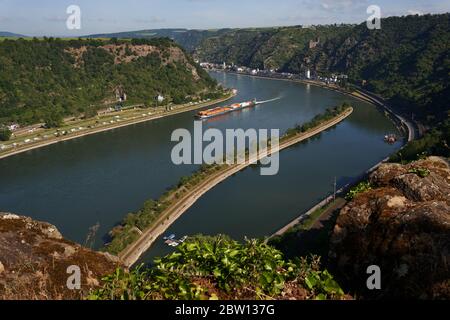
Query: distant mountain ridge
x,y
189,39
10,34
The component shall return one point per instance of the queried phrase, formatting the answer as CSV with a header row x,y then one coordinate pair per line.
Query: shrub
x,y
360,188
421,172
218,267
5,134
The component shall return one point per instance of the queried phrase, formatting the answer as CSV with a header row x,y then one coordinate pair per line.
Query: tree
x,y
5,134
53,120
90,112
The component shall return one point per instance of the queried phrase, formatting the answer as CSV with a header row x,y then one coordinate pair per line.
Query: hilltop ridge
x,y
45,80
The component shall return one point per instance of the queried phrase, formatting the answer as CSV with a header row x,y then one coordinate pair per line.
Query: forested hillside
x,y
266,48
51,78
407,60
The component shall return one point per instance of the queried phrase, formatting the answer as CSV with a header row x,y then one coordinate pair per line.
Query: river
x,y
100,178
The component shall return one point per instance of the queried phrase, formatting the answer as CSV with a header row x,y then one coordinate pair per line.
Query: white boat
x,y
169,237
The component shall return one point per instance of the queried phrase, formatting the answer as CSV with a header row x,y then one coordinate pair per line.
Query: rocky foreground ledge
x,y
403,226
34,258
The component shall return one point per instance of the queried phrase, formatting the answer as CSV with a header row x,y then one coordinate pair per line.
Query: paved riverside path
x,y
131,254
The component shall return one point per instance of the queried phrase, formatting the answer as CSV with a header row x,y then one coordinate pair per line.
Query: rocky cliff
x,y
403,226
34,258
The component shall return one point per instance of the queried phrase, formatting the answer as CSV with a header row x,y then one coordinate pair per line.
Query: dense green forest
x,y
45,80
264,48
435,142
407,60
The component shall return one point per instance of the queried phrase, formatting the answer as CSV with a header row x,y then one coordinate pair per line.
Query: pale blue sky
x,y
48,17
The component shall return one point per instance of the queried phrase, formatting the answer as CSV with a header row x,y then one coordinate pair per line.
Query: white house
x,y
160,98
13,127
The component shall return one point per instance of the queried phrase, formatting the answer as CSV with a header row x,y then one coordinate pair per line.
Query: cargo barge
x,y
214,112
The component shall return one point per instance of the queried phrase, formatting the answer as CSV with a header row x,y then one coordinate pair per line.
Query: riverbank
x,y
310,234
131,254
316,213
323,205
140,115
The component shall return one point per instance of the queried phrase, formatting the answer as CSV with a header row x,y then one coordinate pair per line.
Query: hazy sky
x,y
48,17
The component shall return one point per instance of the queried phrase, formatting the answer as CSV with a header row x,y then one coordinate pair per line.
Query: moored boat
x,y
172,242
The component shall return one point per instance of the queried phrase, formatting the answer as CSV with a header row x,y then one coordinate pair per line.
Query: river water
x,y
100,178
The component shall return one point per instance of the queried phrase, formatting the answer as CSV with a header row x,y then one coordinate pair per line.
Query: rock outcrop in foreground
x,y
34,259
403,226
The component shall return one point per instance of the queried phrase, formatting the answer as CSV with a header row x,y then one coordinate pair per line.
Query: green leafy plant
x,y
217,267
421,172
322,284
360,188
